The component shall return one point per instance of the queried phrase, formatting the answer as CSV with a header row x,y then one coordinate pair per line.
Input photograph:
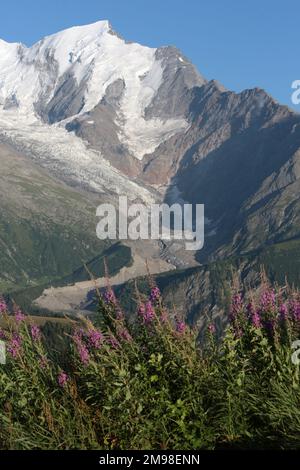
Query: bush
x,y
150,385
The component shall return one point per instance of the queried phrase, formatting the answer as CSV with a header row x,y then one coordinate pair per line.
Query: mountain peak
x,y
74,71
81,31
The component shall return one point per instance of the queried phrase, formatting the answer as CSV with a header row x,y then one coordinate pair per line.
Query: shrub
x,y
149,384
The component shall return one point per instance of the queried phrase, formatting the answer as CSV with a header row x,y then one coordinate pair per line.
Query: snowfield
x,y
67,157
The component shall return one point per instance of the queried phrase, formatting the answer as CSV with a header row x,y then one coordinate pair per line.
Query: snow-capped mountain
x,y
114,117
70,73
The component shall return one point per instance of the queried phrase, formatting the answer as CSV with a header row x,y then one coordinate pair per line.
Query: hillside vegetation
x,y
149,384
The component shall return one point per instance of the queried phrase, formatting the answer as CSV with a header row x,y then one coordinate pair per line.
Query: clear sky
x,y
240,43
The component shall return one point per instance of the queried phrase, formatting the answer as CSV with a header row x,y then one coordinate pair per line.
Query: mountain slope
x,y
244,166
47,229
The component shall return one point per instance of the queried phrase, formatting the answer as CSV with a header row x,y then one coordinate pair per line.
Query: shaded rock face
x,y
179,76
244,167
240,157
67,101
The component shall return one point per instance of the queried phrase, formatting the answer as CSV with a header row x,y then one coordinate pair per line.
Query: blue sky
x,y
240,43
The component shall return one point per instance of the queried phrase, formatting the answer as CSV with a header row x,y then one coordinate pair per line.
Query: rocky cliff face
x,y
241,160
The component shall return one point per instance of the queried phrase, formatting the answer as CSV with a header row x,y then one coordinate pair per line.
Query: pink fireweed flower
x,y
236,306
141,310
35,333
211,328
79,334
237,315
255,319
62,379
120,314
15,345
154,294
283,312
83,353
180,326
109,297
43,362
3,306
149,313
81,347
268,299
254,315
113,342
95,338
19,316
146,312
124,334
294,307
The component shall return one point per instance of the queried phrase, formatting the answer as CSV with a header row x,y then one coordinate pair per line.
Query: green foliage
x,y
148,384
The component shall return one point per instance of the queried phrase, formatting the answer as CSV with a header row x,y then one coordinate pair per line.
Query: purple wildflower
x,y
79,334
236,306
109,297
149,313
283,312
95,338
154,294
43,362
180,326
19,316
83,353
211,328
124,334
120,314
294,307
15,345
81,347
141,311
35,333
254,315
268,299
114,343
62,379
255,319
